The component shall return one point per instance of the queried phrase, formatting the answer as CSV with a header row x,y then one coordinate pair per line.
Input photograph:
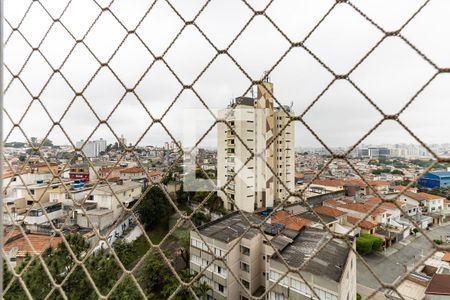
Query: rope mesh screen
x,y
33,65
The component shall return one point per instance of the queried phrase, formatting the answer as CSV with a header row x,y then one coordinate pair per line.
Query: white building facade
x,y
256,127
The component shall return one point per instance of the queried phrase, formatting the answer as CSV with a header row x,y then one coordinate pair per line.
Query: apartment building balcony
x,y
230,151
230,143
230,171
230,134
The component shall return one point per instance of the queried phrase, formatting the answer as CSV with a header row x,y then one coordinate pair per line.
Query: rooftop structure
x,y
329,261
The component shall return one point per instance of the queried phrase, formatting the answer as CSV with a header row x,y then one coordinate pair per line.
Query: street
x,y
401,257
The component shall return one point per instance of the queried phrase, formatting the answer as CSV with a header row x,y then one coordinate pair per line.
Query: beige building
x,y
255,123
110,198
332,272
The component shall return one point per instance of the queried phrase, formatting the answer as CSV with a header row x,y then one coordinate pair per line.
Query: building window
x,y
276,296
221,288
245,267
245,250
323,295
245,283
300,287
220,271
274,276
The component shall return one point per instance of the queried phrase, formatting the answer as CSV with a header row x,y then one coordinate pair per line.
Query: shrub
x,y
437,242
364,245
369,243
377,243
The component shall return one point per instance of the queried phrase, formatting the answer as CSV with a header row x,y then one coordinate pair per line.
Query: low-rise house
x,y
17,246
130,173
429,202
295,223
342,226
95,218
364,225
331,212
111,196
329,221
42,213
401,188
360,211
35,192
438,288
322,186
82,172
110,172
154,176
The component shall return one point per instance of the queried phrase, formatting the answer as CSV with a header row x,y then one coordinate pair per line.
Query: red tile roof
x,y
153,173
341,183
132,170
329,211
281,214
358,207
39,242
422,196
427,196
293,223
363,208
446,257
439,285
386,205
364,224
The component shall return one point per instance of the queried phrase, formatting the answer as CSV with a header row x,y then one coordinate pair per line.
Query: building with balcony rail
x,y
255,126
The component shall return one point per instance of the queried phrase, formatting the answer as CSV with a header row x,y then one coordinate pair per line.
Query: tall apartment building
x,y
93,148
267,133
331,273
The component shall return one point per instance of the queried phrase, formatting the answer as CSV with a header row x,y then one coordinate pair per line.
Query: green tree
x,y
155,273
184,241
397,172
126,290
154,210
125,252
101,266
200,218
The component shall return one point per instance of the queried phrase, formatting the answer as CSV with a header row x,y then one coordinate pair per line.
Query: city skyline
x,y
299,77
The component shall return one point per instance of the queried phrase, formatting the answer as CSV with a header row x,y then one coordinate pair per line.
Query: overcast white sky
x,y
391,75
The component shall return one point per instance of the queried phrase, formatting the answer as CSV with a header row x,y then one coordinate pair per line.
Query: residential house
x,y
429,203
113,197
130,173
438,288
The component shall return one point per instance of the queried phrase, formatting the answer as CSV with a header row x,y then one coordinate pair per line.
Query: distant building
x,y
256,122
92,148
374,152
112,197
436,179
80,171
